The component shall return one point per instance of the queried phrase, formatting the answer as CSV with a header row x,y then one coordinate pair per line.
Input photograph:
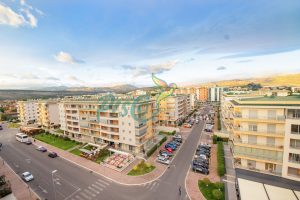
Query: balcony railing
x,y
277,118
259,132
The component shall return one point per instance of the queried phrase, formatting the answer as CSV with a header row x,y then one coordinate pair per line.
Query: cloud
x,y
64,57
221,68
12,18
74,79
29,76
52,78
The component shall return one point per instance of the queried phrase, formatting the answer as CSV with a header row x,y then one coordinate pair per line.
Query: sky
x,y
111,42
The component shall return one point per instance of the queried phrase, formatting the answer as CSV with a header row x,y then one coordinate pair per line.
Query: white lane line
x,y
85,195
89,192
94,190
153,185
103,182
97,187
100,184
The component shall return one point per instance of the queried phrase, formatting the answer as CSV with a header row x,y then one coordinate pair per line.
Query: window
x,y
271,128
252,139
129,124
293,113
252,127
295,129
294,157
129,131
270,141
253,114
271,114
295,143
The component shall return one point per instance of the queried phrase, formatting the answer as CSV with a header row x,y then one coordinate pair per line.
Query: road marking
x,y
89,192
103,182
91,188
153,185
43,190
97,187
102,185
229,175
85,195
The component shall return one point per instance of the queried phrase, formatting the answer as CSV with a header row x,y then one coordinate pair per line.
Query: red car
x,y
169,150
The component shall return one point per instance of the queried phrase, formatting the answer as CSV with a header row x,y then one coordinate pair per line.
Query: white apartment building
x,y
48,114
27,112
214,94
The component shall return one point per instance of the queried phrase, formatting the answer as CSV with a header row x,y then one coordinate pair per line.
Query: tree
x,y
217,194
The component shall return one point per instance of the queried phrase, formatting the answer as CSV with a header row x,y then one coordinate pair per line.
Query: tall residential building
x,y
124,123
266,135
48,114
214,94
202,94
27,112
173,109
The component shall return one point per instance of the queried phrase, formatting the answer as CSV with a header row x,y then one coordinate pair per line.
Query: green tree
x,y
217,194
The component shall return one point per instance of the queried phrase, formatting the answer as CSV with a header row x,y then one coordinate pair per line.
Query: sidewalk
x,y
19,188
119,177
230,175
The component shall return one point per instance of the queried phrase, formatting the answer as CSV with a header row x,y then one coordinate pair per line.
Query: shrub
x,y
217,194
215,139
163,140
220,158
206,181
152,150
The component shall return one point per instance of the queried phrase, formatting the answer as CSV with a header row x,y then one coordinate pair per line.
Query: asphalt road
x,y
73,182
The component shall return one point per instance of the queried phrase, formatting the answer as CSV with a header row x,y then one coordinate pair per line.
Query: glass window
x,y
294,157
295,129
295,143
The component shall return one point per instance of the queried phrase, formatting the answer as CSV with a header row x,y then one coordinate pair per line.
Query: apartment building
x,y
125,123
214,94
48,114
173,109
266,134
27,112
202,94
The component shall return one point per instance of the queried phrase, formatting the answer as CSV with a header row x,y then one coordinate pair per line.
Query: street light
x,y
52,174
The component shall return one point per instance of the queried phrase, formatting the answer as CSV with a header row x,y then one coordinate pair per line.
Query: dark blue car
x,y
172,146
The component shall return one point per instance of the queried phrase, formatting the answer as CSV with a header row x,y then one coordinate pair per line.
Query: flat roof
x,y
273,98
250,190
268,101
278,193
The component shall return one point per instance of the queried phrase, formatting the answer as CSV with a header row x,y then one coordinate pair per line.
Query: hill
x,y
280,80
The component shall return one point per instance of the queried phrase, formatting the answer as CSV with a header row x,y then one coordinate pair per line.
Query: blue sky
x,y
102,43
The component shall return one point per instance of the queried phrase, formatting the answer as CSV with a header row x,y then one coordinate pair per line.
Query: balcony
x,y
259,133
264,156
273,147
141,132
275,119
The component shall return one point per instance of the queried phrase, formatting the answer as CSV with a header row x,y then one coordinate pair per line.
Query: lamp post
x,y
52,174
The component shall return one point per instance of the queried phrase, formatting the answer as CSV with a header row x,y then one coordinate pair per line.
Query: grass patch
x,y
221,160
13,125
59,131
141,169
58,141
76,152
212,191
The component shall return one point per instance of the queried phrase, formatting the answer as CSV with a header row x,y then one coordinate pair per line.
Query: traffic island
x,y
210,190
141,169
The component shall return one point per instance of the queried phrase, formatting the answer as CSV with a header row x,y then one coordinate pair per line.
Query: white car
x,y
163,159
27,176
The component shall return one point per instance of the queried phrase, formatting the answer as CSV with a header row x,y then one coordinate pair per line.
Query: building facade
x,y
27,112
48,114
214,94
266,135
202,94
123,124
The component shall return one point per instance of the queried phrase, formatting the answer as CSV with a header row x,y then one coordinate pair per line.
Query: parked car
x,y
177,136
41,148
172,146
169,150
179,140
203,156
163,159
27,176
52,155
202,163
1,128
187,125
199,159
175,142
161,152
199,168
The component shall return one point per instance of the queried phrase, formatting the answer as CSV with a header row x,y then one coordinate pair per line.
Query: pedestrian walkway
x,y
229,178
19,188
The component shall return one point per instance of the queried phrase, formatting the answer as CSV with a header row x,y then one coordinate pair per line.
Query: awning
x,y
85,151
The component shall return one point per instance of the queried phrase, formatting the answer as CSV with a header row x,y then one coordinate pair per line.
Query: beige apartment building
x,y
125,123
173,109
47,114
266,134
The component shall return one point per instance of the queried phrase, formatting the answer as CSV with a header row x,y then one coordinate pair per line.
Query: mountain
x,y
279,80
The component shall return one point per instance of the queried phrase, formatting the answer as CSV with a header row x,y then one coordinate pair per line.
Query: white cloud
x,y
11,18
65,57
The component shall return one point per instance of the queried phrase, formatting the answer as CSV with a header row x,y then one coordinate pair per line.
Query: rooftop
x,y
269,101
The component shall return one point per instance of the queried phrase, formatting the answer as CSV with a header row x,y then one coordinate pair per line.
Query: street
x,y
73,182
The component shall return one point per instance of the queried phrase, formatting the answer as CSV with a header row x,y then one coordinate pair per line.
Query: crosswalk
x,y
91,192
152,186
